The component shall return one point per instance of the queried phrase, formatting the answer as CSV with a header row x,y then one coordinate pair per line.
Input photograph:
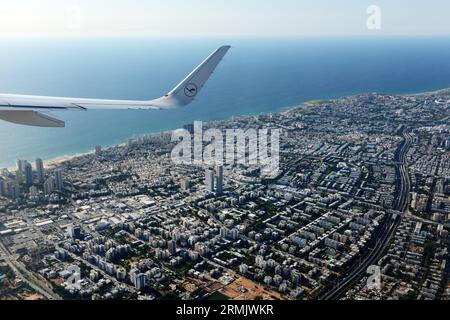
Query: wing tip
x,y
182,95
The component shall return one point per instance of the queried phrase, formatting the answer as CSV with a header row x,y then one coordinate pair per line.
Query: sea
x,y
259,75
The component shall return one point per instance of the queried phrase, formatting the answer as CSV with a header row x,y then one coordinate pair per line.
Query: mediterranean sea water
x,y
259,75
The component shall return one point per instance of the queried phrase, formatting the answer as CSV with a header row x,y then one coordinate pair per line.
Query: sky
x,y
221,18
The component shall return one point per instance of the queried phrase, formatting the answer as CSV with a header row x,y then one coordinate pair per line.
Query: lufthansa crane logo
x,y
190,90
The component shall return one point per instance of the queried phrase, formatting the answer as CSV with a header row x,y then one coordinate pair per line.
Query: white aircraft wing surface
x,y
28,110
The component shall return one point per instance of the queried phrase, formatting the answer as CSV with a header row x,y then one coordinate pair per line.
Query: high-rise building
x,y
185,184
219,187
171,246
176,236
49,186
13,189
223,232
121,274
189,127
141,281
20,170
2,188
209,181
28,173
40,172
234,234
440,186
98,150
75,232
59,183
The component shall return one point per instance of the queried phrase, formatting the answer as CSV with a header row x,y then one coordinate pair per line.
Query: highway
x,y
387,229
28,277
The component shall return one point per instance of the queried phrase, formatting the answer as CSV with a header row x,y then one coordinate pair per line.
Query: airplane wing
x,y
28,110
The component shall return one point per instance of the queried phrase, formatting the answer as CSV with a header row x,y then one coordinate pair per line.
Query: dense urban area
x,y
364,184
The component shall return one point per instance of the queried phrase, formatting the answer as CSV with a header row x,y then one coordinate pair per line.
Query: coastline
x,y
58,161
55,162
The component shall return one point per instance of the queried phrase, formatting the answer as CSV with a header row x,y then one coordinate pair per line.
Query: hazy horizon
x,y
209,18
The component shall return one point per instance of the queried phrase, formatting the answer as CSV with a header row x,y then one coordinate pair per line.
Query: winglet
x,y
188,89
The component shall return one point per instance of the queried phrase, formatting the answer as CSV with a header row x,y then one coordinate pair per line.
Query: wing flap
x,y
31,118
